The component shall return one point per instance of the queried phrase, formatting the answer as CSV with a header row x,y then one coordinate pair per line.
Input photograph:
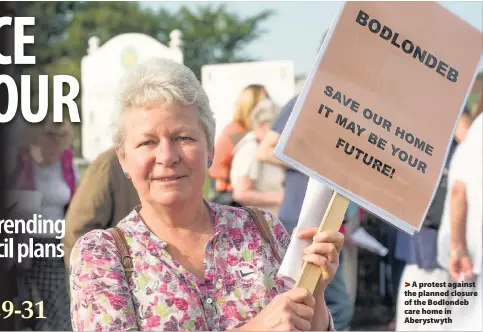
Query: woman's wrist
x,y
462,252
322,311
277,198
458,249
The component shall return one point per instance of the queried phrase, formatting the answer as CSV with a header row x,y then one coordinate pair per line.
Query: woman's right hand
x,y
289,311
460,264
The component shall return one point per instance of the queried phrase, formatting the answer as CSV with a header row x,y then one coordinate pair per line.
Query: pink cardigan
x,y
25,178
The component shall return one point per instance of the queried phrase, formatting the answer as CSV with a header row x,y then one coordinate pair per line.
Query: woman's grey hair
x,y
165,79
265,111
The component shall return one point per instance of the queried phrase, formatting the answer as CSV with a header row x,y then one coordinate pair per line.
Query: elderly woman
x,y
197,265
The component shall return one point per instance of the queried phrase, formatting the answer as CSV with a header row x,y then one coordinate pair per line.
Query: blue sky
x,y
295,31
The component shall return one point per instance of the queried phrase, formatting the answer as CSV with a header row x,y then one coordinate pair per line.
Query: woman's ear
x,y
211,155
121,157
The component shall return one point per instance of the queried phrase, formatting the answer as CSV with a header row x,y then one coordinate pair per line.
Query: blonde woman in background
x,y
255,182
232,133
44,165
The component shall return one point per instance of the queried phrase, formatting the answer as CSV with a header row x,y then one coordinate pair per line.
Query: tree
x,y
63,28
211,34
51,21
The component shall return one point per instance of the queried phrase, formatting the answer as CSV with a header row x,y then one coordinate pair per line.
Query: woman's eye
x,y
146,143
183,138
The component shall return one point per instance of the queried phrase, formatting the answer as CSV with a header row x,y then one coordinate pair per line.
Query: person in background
x,y
196,265
460,235
353,217
295,182
257,183
103,198
45,165
8,270
336,294
419,252
230,136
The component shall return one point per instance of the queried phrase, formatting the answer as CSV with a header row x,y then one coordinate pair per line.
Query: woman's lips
x,y
168,178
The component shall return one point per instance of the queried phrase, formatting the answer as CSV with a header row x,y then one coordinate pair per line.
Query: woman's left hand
x,y
323,252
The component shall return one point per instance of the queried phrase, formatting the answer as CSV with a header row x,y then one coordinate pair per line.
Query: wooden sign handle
x,y
333,218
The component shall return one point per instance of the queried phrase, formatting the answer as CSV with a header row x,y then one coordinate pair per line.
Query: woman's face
x,y
165,153
50,145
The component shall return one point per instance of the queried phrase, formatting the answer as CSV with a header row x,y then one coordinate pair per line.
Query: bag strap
x,y
122,247
262,225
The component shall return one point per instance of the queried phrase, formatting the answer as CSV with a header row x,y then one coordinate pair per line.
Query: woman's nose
x,y
167,153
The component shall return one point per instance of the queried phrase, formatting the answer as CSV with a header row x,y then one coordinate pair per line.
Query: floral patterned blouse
x,y
240,277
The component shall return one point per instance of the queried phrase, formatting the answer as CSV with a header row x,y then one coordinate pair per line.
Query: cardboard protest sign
x,y
377,114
